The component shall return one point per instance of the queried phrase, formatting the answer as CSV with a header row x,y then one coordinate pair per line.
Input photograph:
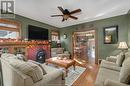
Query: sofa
x,y
13,74
59,52
114,71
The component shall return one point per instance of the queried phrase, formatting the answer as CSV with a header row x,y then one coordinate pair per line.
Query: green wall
x,y
27,21
103,49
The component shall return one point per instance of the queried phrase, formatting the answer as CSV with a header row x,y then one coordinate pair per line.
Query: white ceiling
x,y
41,10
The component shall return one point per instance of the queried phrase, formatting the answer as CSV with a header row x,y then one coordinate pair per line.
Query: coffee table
x,y
65,63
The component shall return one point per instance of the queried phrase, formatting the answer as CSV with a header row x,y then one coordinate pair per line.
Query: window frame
x,y
11,22
55,33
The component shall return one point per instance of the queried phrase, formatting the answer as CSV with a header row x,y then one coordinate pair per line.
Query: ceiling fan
x,y
67,14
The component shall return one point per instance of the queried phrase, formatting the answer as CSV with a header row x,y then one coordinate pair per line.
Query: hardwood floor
x,y
88,77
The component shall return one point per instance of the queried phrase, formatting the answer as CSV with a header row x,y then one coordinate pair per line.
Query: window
x,y
54,36
9,29
8,34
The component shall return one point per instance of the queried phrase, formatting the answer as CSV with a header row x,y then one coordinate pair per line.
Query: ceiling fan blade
x,y
73,17
75,11
61,9
56,15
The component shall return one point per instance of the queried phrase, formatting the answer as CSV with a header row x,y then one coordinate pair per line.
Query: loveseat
x,y
114,71
13,74
59,52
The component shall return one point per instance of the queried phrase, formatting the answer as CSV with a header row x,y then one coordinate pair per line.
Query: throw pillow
x,y
40,65
8,55
112,59
120,59
29,69
21,57
125,72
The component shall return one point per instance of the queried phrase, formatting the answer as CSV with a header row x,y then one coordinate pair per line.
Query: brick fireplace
x,y
33,50
39,53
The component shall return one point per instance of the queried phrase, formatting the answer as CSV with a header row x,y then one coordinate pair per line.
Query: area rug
x,y
73,75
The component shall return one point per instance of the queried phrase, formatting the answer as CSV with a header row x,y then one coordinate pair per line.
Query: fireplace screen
x,y
41,56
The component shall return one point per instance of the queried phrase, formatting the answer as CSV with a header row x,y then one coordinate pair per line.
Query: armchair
x,y
109,82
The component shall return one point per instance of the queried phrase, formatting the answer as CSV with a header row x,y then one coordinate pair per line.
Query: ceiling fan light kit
x,y
67,14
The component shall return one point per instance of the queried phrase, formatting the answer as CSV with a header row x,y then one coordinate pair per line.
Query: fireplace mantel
x,y
16,42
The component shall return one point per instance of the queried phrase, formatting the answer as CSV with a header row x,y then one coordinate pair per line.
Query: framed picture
x,y
111,35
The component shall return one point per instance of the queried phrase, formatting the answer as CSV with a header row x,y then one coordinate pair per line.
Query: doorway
x,y
84,46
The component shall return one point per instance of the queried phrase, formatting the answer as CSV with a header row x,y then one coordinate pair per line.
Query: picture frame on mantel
x,y
111,34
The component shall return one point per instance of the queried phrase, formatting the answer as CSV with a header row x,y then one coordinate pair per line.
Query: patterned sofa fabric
x,y
14,77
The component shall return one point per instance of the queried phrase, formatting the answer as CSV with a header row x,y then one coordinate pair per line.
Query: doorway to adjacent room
x,y
84,46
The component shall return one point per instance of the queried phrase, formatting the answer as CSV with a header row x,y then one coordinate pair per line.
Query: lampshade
x,y
123,45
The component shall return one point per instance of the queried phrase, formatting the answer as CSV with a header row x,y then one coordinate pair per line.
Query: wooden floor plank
x,y
88,77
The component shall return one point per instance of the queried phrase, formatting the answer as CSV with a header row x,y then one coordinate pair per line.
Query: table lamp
x,y
123,46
